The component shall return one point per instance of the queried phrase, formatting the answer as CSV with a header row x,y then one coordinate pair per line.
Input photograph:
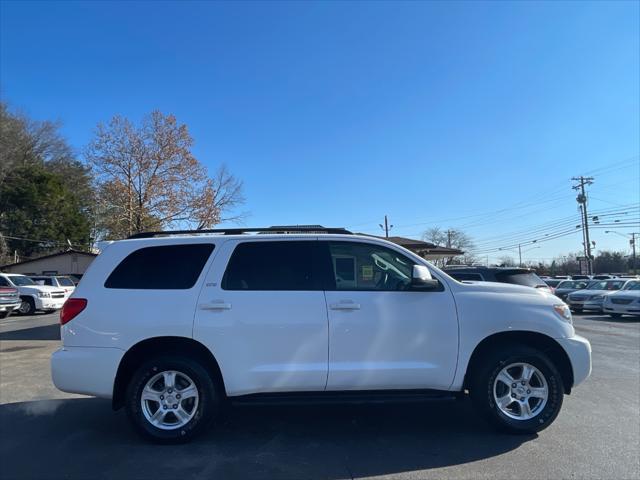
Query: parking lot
x,y
49,434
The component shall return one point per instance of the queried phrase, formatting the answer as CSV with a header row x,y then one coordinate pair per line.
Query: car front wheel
x,y
171,399
27,307
518,390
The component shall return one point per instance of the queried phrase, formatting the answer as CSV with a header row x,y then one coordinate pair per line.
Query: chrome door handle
x,y
345,306
215,306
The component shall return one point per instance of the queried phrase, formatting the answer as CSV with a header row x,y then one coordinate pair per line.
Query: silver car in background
x,y
623,302
592,297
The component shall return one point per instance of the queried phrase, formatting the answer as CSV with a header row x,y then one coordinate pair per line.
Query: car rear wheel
x,y
518,390
172,399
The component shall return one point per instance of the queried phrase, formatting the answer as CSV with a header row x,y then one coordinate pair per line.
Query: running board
x,y
356,397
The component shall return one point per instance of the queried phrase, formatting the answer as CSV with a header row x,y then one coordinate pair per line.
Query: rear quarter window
x,y
167,267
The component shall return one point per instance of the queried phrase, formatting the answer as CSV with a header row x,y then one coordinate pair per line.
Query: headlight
x,y
564,311
44,294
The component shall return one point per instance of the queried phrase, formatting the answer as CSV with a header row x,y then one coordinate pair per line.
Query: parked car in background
x,y
566,287
32,296
63,282
552,283
623,302
173,328
75,277
603,276
592,297
516,276
9,301
580,277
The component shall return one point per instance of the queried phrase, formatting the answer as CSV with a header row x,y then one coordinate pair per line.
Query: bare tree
x,y
451,238
149,179
24,141
506,261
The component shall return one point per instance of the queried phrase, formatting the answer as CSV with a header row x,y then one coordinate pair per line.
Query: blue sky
x,y
471,115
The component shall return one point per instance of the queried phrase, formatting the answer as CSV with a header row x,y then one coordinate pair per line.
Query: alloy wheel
x,y
169,400
520,391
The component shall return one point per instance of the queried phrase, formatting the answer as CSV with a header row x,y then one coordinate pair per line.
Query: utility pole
x,y
633,249
520,254
582,201
386,227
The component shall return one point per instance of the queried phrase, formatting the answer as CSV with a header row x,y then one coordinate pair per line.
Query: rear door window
x,y
167,267
277,265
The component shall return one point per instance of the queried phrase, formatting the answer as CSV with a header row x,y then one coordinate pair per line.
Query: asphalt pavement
x,y
46,434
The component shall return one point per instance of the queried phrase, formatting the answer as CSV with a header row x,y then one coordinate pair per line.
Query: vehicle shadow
x,y
607,318
44,332
80,438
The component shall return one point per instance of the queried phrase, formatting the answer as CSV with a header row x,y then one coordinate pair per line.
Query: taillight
x,y
71,309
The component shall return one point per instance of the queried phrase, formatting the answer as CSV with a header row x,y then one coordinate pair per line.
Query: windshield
x,y
606,285
65,282
632,286
528,279
21,281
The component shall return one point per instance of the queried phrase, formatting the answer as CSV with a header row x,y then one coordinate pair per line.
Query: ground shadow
x,y
44,332
249,442
607,318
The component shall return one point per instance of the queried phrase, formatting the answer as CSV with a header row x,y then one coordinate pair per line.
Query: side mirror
x,y
421,279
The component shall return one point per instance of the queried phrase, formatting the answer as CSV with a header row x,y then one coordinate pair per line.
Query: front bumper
x,y
593,305
86,370
584,304
628,309
578,350
43,303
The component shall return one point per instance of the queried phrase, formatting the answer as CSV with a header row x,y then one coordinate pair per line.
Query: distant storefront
x,y
69,262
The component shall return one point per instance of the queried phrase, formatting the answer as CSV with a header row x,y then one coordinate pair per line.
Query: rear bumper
x,y
578,350
4,307
86,370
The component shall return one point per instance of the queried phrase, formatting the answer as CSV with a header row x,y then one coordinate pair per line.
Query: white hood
x,y
495,287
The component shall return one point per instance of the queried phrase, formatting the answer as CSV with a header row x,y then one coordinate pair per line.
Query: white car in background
x,y
33,296
60,281
623,302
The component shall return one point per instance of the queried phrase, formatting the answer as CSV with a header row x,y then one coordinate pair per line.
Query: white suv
x,y
173,327
33,296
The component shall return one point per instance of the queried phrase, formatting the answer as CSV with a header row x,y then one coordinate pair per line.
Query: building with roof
x,y
69,262
427,250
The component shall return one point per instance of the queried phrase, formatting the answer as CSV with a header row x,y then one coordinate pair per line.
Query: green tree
x,y
35,151
38,206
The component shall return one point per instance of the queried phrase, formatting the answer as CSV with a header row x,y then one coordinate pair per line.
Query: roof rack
x,y
240,231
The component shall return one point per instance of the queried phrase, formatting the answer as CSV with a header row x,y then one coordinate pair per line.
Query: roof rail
x,y
239,231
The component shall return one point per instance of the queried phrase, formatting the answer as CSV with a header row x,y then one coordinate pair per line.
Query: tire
x,y
202,409
27,307
615,315
486,387
5,314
